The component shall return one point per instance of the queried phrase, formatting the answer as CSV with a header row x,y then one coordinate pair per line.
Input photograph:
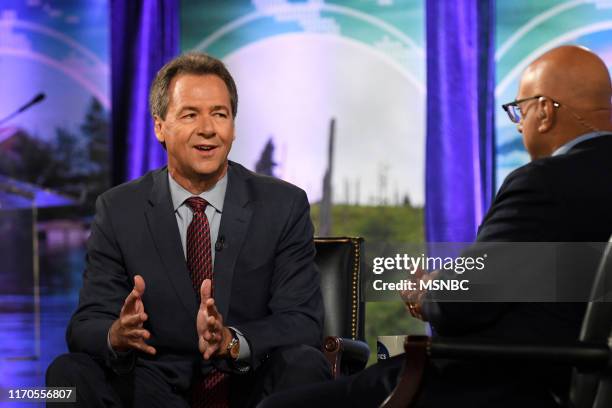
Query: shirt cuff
x,y
108,343
244,355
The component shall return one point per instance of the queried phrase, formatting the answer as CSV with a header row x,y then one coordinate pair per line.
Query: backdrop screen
x,y
301,65
527,29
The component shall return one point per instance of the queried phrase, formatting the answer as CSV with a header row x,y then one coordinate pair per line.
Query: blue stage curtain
x,y
144,36
460,122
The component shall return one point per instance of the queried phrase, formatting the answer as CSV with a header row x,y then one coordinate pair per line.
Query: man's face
x,y
198,129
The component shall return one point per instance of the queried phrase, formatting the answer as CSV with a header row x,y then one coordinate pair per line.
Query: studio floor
x,y
30,340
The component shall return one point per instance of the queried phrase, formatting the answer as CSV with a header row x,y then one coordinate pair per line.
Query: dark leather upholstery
x,y
340,262
594,389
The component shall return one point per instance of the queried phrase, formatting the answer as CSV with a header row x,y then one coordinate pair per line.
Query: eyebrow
x,y
188,108
213,108
219,107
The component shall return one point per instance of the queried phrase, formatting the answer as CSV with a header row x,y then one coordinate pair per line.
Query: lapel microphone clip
x,y
220,244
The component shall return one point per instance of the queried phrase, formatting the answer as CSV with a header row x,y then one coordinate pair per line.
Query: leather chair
x,y
340,261
591,355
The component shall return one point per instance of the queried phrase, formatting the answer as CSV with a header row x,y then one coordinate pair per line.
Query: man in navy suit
x,y
200,287
563,110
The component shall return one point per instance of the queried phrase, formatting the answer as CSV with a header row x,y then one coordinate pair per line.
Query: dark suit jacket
x,y
266,282
566,198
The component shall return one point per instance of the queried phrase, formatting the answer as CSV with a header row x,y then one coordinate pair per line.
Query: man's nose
x,y
206,126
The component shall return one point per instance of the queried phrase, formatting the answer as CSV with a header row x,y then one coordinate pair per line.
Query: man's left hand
x,y
414,298
213,336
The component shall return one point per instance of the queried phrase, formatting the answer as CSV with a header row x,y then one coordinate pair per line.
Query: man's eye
x,y
189,116
220,115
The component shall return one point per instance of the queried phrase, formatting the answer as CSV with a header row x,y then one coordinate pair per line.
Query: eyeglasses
x,y
515,114
514,111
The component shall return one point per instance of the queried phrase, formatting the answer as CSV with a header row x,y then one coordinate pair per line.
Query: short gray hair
x,y
197,63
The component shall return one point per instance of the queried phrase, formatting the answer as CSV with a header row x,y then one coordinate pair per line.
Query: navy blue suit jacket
x,y
266,282
566,198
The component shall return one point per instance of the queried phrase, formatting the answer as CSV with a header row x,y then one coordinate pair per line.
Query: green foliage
x,y
67,152
96,134
28,159
380,226
95,129
74,163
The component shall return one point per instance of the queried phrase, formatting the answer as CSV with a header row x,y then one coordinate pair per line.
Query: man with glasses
x,y
563,110
561,104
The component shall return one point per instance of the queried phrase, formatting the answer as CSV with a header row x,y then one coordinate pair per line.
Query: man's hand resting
x,y
414,298
127,331
213,336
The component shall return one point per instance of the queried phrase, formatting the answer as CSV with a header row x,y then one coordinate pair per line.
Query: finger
x,y
212,337
412,297
142,346
208,335
206,348
138,306
219,337
212,326
133,304
129,305
211,323
201,320
135,294
211,308
132,320
210,351
212,331
135,320
139,285
139,334
202,345
408,295
206,290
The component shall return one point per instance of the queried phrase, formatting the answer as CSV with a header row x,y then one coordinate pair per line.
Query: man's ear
x,y
157,127
546,115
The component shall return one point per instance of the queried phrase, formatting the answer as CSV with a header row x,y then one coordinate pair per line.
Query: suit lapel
x,y
165,233
235,221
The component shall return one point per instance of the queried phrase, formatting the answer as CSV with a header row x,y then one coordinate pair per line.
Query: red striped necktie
x,y
212,390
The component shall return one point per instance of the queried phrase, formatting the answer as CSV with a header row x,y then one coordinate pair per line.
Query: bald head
x,y
579,82
573,75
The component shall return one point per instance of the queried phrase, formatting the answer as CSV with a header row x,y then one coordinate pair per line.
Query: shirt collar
x,y
566,147
215,196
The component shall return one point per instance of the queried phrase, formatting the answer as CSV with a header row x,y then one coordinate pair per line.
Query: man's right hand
x,y
127,331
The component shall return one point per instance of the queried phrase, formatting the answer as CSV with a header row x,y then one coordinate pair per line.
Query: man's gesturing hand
x,y
127,331
213,337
